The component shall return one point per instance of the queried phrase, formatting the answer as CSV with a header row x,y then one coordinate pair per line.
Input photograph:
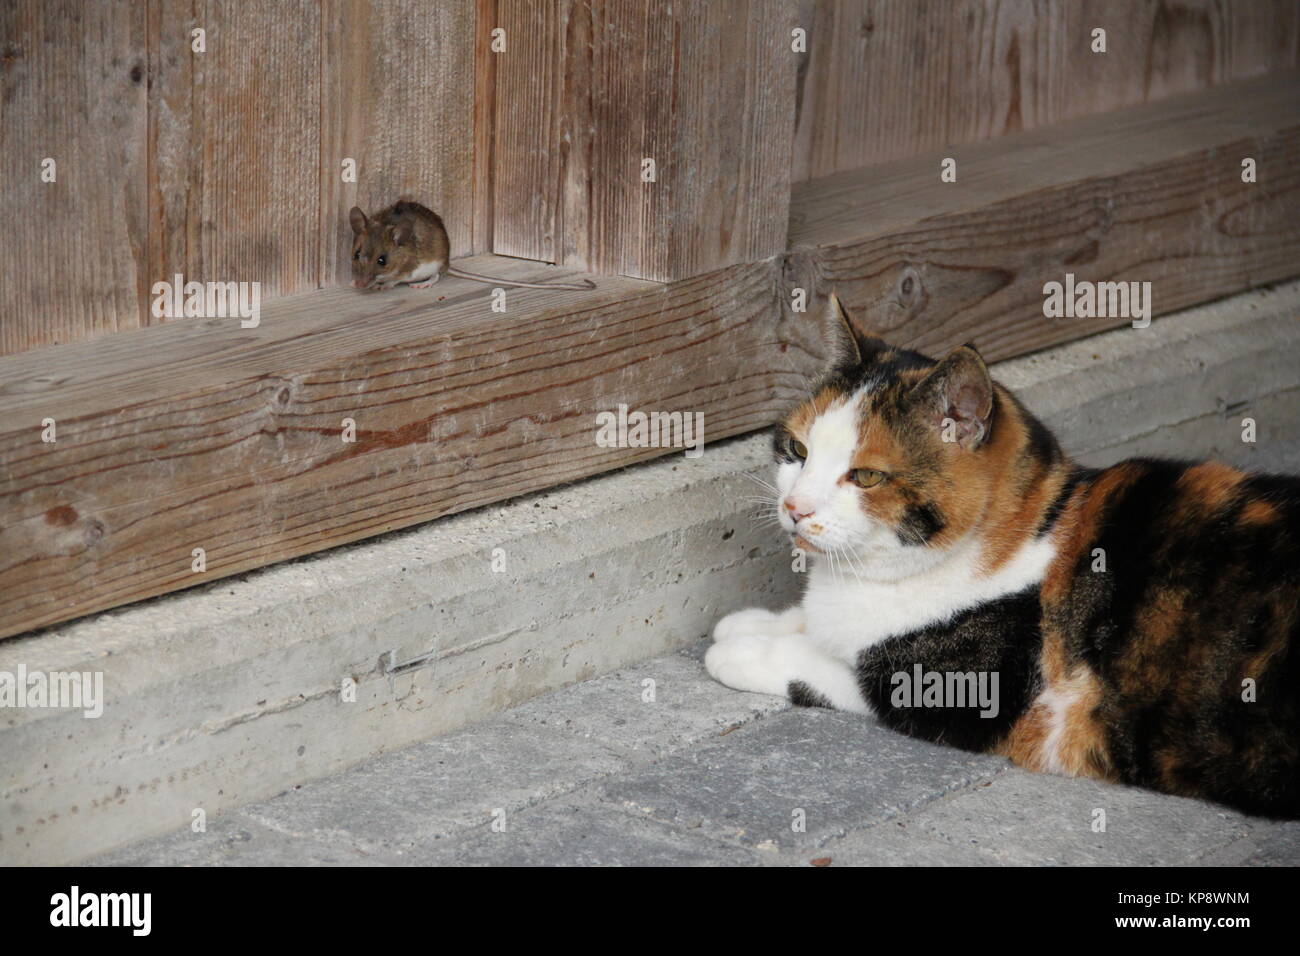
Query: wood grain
x,y
1152,194
485,73
397,97
230,439
586,91
72,88
888,79
234,143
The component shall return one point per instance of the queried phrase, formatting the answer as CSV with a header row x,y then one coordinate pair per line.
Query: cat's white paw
x,y
758,622
745,665
750,622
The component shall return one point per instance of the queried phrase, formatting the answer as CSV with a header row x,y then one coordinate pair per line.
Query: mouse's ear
x,y
402,233
358,220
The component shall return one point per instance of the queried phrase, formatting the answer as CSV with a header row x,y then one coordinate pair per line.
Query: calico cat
x,y
1139,622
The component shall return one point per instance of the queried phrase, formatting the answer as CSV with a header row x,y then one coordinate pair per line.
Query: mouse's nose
x,y
798,509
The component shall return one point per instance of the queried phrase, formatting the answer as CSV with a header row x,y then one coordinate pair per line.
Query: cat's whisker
x,y
762,483
853,565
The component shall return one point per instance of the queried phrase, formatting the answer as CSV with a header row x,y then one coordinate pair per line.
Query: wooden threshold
x,y
200,434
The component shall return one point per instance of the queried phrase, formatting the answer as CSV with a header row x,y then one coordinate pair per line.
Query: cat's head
x,y
888,464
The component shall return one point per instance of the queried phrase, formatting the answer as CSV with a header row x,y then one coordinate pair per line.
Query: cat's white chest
x,y
846,615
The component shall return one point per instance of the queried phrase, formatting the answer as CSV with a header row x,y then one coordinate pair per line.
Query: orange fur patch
x,y
1061,732
1202,490
1022,492
1082,750
1075,528
1160,622
1024,742
802,418
1259,512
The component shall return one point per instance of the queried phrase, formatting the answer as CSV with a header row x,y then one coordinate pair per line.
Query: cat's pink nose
x,y
792,506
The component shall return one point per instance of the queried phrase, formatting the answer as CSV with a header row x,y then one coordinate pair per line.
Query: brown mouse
x,y
407,242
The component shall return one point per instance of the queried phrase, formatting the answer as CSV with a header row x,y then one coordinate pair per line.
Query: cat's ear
x,y
956,397
846,347
842,348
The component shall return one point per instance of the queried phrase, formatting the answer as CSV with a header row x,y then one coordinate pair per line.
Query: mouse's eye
x,y
382,260
357,254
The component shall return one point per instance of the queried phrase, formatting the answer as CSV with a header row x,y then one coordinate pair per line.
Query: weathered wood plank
x,y
586,92
888,79
397,98
73,80
235,143
203,434
485,74
231,440
1152,194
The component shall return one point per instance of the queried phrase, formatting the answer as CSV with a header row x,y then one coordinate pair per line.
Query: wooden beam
x,y
1151,194
200,434
205,435
585,93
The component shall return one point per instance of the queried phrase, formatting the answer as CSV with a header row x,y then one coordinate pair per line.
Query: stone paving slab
x,y
1275,845
890,843
439,788
797,779
649,710
600,774
1024,818
235,840
585,832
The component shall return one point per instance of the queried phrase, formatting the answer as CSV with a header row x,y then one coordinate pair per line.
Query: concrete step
x,y
226,695
657,765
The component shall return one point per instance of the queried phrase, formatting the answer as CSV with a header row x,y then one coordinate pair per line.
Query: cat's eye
x,y
800,450
866,477
382,260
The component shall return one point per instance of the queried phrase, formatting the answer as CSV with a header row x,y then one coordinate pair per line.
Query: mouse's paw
x,y
426,283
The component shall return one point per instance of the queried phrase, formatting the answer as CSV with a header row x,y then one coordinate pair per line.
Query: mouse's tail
x,y
477,277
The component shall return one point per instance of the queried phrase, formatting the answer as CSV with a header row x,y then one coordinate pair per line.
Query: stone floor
x,y
658,764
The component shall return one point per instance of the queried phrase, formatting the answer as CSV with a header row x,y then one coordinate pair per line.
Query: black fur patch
x,y
1001,636
783,444
1043,446
801,695
880,364
920,523
1077,476
1194,599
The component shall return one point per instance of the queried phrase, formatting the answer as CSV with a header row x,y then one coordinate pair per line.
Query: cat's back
x,y
1174,598
1185,535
